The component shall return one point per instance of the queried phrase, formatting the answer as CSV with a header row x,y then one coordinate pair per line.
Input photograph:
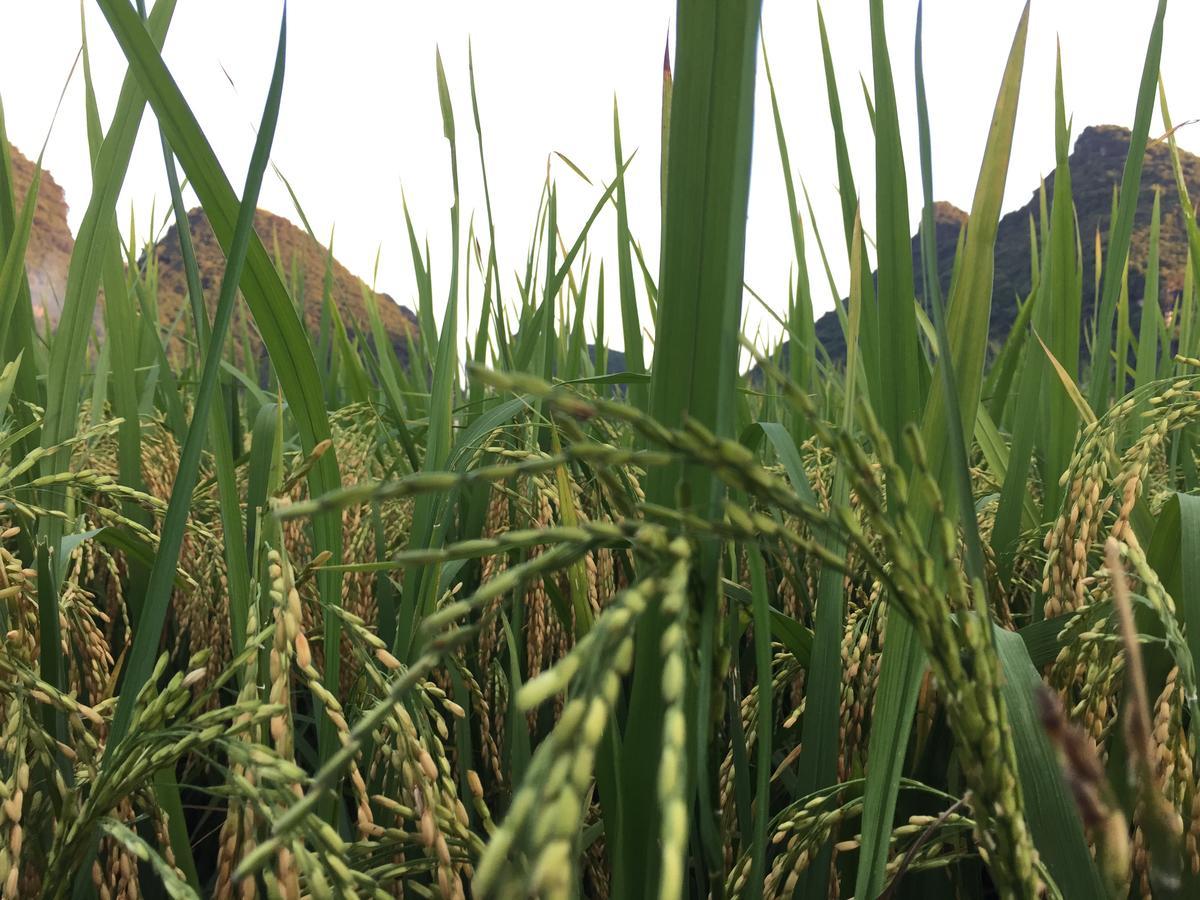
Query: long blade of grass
x,y
1062,325
1122,372
695,357
997,386
848,194
420,584
762,663
121,331
275,316
950,412
1121,231
1176,556
69,349
900,398
820,736
237,563
801,358
1150,324
987,435
149,627
1051,424
389,375
1049,808
119,321
630,319
787,452
493,273
969,307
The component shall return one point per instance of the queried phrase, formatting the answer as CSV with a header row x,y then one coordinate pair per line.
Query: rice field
x,y
491,618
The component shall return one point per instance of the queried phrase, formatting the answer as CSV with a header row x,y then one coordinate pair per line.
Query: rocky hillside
x,y
1096,166
50,242
303,260
49,255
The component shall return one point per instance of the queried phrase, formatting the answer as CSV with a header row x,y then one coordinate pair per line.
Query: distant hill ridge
x,y
1096,164
48,258
304,262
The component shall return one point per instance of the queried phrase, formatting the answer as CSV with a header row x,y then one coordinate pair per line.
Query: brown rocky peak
x,y
302,259
948,214
1097,164
48,255
303,262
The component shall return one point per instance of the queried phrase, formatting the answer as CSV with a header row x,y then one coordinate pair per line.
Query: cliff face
x,y
948,221
50,242
303,261
1097,162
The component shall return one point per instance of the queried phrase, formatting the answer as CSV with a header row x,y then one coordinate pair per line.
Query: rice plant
x,y
491,618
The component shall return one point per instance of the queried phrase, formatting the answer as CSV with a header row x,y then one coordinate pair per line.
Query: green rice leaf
x,y
275,316
950,397
766,718
158,595
630,318
1049,808
695,354
1121,230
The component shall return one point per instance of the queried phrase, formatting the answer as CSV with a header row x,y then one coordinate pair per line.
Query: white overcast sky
x,y
360,118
